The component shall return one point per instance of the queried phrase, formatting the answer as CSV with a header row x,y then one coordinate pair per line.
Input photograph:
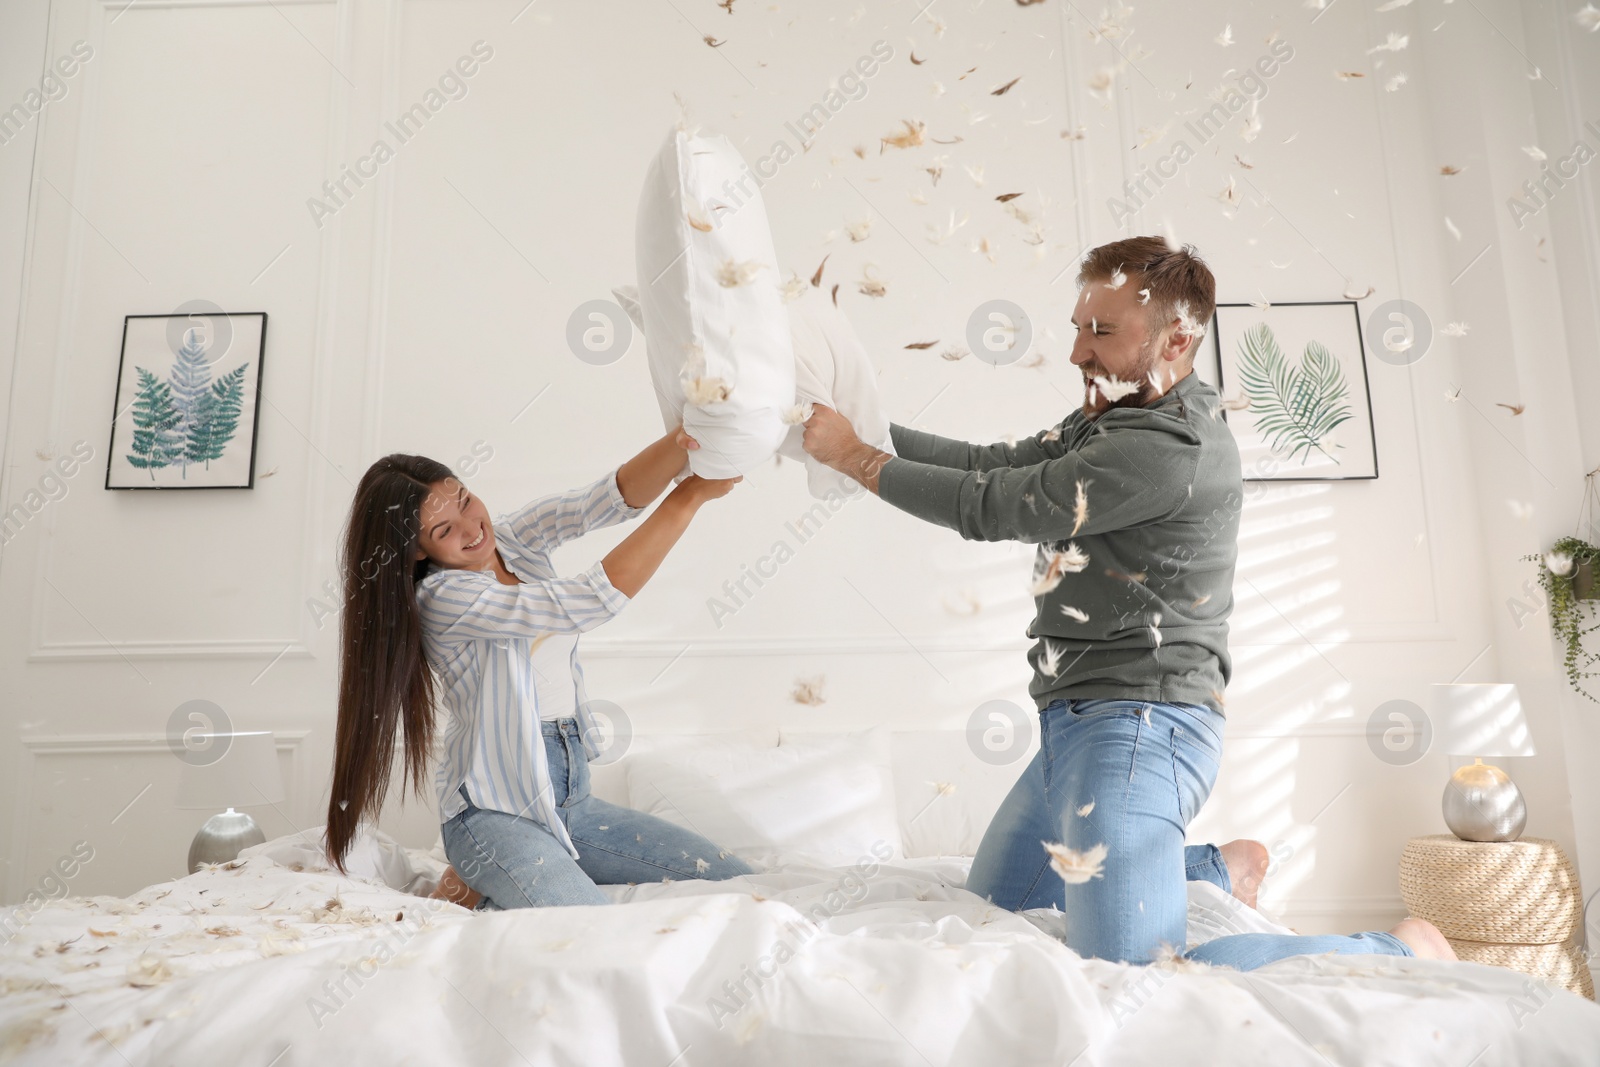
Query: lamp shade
x,y
1480,720
246,773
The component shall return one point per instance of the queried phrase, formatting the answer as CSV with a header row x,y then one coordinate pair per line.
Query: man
x,y
1134,503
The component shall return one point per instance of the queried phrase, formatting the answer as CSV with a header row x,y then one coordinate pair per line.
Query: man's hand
x,y
829,436
832,441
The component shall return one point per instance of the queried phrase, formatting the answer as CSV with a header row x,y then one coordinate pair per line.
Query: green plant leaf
x,y
1294,406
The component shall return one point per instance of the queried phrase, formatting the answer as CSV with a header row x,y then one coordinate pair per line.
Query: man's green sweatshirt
x,y
1145,617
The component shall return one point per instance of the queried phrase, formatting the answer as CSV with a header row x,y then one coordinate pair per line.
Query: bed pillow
x,y
831,367
828,798
945,794
711,304
373,856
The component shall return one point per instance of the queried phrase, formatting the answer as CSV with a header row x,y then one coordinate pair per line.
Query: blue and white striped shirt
x,y
478,635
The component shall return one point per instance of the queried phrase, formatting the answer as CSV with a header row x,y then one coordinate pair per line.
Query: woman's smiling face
x,y
456,530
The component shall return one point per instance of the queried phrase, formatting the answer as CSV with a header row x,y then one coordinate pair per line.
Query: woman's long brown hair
x,y
385,685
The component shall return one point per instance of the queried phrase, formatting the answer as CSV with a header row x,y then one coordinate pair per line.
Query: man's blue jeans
x,y
1146,767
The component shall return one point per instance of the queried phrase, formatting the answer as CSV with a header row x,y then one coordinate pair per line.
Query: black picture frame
x,y
123,453
1357,344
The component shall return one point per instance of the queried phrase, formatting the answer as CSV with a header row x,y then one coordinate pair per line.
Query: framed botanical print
x,y
1294,387
188,401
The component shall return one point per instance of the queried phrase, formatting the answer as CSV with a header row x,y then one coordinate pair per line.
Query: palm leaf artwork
x,y
216,418
187,418
157,441
1295,407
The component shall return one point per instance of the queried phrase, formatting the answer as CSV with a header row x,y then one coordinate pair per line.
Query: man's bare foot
x,y
453,889
1424,939
1247,867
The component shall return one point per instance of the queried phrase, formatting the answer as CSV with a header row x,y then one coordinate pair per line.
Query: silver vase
x,y
1482,803
223,837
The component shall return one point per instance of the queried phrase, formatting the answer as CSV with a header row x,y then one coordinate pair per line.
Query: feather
x,y
808,691
1535,153
798,414
1454,329
1050,660
868,285
1115,389
1588,18
967,604
1057,565
1005,88
1144,296
1225,38
703,391
1395,42
1074,867
910,137
1083,812
859,231
816,279
1450,171
1118,279
733,273
1073,613
1080,510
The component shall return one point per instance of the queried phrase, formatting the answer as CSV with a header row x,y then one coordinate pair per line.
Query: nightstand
x,y
1514,904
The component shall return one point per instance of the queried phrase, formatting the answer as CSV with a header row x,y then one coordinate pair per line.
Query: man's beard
x,y
1095,401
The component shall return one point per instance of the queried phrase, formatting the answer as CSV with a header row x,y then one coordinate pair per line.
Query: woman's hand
x,y
703,489
683,440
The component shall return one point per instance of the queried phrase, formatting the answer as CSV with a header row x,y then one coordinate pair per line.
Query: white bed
x,y
243,964
855,944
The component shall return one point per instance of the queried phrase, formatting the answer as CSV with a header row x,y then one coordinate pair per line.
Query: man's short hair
x,y
1177,278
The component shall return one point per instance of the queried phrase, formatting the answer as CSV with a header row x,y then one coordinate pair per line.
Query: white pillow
x,y
825,797
831,367
374,856
711,304
945,794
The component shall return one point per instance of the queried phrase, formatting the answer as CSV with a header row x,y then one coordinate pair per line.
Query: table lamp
x,y
1481,802
245,774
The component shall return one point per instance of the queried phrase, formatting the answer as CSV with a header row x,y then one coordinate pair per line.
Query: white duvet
x,y
259,963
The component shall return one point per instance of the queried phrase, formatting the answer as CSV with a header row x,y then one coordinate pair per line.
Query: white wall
x,y
428,312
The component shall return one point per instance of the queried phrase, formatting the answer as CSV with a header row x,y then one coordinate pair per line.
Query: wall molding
x,y
80,651
40,747
132,743
151,5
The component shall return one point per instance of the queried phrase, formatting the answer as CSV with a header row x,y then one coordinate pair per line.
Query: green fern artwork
x,y
186,417
1295,406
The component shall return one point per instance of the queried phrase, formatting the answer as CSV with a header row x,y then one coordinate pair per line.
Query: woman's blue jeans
x,y
516,863
1146,767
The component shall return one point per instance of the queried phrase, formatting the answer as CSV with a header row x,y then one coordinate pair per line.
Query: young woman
x,y
432,586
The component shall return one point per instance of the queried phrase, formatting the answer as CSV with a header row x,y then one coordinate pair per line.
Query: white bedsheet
x,y
243,965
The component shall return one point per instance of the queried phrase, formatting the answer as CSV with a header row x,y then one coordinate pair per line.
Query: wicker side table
x,y
1514,904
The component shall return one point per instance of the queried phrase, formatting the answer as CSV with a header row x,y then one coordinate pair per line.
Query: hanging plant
x,y
1567,575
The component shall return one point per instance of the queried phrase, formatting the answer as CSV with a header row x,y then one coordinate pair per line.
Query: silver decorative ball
x,y
222,838
1482,803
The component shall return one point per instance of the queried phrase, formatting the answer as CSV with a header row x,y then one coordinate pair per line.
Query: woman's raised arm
x,y
642,478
